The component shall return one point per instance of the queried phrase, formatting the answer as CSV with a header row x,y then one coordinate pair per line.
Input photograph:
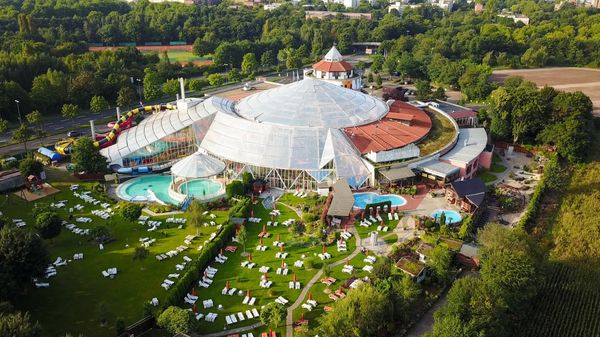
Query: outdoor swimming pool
x,y
200,187
362,199
451,216
137,189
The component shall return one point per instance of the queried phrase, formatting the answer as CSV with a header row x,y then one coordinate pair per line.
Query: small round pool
x,y
144,188
200,187
452,217
362,199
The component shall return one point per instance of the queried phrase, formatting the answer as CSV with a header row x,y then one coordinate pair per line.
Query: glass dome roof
x,y
312,103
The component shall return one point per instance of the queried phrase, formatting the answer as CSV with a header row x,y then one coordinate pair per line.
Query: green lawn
x,y
319,294
442,132
497,168
364,231
71,302
183,56
391,239
244,279
486,176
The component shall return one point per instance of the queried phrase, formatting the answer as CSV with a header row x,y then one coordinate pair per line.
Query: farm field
x,y
586,80
179,53
569,300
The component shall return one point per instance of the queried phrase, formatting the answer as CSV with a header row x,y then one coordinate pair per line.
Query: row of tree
x,y
496,302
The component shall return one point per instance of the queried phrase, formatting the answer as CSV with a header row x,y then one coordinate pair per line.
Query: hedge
x,y
536,198
194,269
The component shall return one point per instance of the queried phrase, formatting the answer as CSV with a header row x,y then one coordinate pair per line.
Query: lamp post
x,y
139,89
19,111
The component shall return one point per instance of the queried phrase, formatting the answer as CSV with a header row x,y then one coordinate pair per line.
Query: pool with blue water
x,y
452,217
361,200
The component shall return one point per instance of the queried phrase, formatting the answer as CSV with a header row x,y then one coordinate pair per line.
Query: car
x,y
248,88
74,134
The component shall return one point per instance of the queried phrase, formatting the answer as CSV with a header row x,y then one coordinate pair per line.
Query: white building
x,y
333,69
346,3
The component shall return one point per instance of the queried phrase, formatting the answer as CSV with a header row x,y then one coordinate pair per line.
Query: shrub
x,y
48,224
100,234
30,166
129,211
158,208
120,326
177,320
241,208
309,262
235,188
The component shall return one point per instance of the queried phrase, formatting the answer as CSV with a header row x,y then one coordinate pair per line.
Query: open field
x,y
568,79
180,53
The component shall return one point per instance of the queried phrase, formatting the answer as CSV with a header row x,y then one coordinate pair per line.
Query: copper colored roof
x,y
463,114
390,132
327,66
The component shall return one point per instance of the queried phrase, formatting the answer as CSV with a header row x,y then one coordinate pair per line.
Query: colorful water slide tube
x,y
64,146
126,121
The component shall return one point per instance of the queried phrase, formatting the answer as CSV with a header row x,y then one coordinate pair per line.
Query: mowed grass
x,y
183,56
71,302
248,279
364,232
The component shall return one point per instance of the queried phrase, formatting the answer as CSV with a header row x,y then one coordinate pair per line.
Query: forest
x,y
44,62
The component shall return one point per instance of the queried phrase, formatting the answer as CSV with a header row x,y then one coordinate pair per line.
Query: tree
x,y
235,188
423,89
194,213
378,80
140,254
70,111
171,87
242,237
98,104
30,166
267,59
130,211
370,77
3,125
249,64
377,64
474,82
35,118
48,224
202,46
195,85
440,261
152,85
535,57
272,314
439,94
382,269
234,75
177,320
466,228
364,312
120,326
215,80
22,257
125,97
86,157
18,325
22,135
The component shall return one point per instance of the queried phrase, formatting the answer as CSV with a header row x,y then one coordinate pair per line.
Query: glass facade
x,y
169,148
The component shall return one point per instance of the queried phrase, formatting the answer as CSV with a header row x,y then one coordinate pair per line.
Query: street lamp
x,y
139,90
19,111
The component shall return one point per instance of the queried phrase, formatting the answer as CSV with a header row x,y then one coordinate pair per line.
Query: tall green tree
x,y
194,214
18,324
249,64
272,315
125,97
48,224
98,104
70,111
152,85
22,135
177,320
23,256
86,157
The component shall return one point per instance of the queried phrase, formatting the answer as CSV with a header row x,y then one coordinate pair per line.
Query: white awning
x,y
198,165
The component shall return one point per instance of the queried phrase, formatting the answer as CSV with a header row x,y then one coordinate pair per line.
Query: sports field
x,y
180,53
568,79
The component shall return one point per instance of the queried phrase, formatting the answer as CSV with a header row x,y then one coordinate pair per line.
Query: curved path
x,y
289,320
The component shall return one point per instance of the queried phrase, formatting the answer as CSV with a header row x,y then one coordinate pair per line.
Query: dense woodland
x,y
44,61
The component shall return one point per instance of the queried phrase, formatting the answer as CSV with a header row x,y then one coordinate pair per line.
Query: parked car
x,y
74,134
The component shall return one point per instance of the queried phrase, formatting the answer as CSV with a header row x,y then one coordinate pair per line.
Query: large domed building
x,y
300,135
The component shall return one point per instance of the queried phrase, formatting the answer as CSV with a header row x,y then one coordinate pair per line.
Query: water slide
x,y
126,122
63,147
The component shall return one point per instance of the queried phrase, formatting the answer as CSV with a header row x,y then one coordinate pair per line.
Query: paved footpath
x,y
289,320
